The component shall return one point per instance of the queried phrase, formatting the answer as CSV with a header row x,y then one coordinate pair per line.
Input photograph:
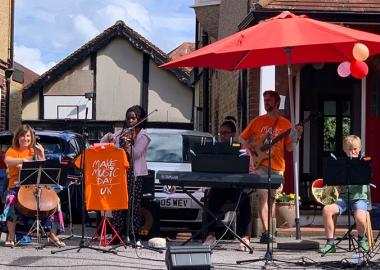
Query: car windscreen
x,y
171,148
52,145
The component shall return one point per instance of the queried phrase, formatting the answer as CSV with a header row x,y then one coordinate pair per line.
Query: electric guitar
x,y
261,150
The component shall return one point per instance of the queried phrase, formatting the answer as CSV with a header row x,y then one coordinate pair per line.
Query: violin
x,y
128,136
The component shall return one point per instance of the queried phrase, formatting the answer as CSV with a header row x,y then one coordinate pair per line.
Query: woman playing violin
x,y
136,135
24,148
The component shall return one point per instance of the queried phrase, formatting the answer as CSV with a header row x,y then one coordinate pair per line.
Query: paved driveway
x,y
224,256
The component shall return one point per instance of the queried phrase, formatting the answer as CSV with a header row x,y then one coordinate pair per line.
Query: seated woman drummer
x,y
24,148
218,196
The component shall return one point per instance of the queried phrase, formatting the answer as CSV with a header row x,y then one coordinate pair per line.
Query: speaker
x,y
188,258
150,213
148,184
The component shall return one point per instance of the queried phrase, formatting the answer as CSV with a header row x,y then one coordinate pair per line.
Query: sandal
x,y
56,242
9,244
243,247
210,240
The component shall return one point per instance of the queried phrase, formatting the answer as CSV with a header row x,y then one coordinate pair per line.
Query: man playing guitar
x,y
255,138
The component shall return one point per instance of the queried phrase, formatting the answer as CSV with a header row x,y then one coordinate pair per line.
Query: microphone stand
x,y
128,241
268,257
82,243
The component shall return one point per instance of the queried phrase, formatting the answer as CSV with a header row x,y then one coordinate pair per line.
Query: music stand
x,y
36,173
345,172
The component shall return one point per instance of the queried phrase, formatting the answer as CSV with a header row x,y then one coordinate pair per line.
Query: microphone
x,y
350,155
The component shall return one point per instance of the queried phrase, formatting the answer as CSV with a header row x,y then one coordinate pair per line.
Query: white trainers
x,y
139,244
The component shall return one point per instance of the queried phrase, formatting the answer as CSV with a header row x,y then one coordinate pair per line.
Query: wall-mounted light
x,y
8,72
89,95
318,66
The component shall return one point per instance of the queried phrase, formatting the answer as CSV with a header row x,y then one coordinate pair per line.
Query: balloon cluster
x,y
357,68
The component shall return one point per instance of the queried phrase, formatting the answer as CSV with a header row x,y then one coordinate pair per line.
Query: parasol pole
x,y
288,51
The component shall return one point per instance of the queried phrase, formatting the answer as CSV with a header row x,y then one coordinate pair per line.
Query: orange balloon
x,y
360,52
359,69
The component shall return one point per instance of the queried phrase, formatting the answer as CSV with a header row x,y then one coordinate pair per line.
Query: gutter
x,y
348,17
9,70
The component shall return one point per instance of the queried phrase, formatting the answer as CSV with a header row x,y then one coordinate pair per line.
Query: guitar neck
x,y
266,146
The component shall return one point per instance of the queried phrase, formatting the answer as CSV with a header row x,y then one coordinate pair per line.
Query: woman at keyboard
x,y
217,197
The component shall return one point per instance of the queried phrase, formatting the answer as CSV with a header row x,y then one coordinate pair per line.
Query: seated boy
x,y
358,203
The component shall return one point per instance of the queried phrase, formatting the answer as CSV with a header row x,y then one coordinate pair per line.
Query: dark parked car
x,y
62,146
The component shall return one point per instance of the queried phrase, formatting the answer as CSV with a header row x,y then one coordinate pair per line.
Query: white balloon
x,y
344,69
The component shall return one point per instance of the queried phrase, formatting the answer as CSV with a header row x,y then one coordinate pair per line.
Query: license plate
x,y
175,203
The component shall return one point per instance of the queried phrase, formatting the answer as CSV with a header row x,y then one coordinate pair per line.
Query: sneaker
x,y
26,239
266,237
139,244
328,248
363,244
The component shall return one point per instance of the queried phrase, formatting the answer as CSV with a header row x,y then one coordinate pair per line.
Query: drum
x,y
27,203
324,194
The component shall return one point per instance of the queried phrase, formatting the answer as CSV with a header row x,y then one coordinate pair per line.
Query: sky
x,y
47,31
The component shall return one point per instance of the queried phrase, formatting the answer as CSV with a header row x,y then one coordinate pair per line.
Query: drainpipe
x,y
9,70
206,89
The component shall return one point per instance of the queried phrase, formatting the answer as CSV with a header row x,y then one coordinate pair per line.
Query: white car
x,y
169,150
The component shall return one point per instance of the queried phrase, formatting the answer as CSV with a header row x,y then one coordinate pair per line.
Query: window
x,y
52,145
336,123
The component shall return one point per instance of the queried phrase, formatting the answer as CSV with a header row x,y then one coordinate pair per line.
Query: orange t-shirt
x,y
105,177
14,171
259,128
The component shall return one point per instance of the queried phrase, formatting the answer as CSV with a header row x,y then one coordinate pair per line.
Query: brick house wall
x,y
4,47
224,87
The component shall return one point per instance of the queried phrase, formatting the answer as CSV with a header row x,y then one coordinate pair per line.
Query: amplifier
x,y
188,257
148,185
150,213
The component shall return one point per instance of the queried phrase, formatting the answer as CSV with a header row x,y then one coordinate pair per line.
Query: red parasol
x,y
284,39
